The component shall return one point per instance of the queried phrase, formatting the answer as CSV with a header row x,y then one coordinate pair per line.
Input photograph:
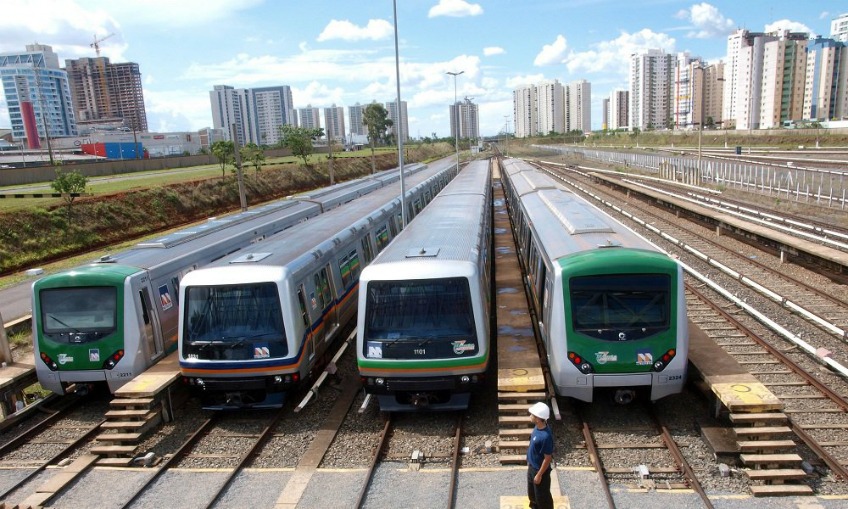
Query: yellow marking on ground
x,y
750,395
522,502
521,379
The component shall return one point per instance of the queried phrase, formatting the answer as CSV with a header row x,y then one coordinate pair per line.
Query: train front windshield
x,y
427,318
233,322
620,307
78,315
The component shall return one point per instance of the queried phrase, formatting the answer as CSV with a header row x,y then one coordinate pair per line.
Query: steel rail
x,y
454,473
384,439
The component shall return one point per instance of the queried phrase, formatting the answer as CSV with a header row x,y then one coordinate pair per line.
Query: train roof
x,y
321,232
566,223
450,228
528,181
97,273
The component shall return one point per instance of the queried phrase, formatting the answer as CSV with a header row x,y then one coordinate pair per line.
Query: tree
x,y
69,184
224,151
375,119
254,154
299,140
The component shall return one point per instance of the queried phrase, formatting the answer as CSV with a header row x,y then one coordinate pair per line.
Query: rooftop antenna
x,y
96,43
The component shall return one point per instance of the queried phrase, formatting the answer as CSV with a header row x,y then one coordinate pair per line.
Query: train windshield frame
x,y
78,314
233,322
620,307
420,319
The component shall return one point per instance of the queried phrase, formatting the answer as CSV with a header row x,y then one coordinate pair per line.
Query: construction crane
x,y
96,43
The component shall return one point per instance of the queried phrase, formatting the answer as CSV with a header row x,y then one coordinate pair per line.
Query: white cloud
x,y
493,50
552,53
708,22
375,30
792,26
169,111
317,95
455,9
613,57
528,79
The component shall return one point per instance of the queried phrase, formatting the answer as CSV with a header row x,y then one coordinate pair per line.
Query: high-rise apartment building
x,y
101,90
651,83
38,96
578,100
839,28
399,121
605,113
524,111
784,70
550,108
713,94
334,121
826,86
354,115
270,108
309,117
688,92
257,113
619,104
466,113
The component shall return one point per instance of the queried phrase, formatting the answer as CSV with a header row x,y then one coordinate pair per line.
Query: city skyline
x,y
344,53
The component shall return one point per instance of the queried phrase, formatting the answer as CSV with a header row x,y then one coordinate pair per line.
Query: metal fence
x,y
820,186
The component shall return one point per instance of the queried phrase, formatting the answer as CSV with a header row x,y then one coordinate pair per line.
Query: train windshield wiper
x,y
60,322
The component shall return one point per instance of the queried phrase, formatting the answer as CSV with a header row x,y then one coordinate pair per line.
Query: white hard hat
x,y
541,411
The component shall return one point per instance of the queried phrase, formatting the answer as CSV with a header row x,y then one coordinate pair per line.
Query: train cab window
x,y
350,268
78,314
415,319
382,236
233,322
620,307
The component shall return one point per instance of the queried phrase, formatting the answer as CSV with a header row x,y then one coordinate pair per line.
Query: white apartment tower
x,y
524,111
839,28
826,87
257,113
651,82
469,120
619,101
309,117
335,122
688,92
354,114
578,113
550,108
398,121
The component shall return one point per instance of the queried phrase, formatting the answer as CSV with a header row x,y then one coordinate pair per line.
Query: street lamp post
x,y
399,130
455,105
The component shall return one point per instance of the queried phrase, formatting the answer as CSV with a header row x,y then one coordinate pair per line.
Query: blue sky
x,y
343,52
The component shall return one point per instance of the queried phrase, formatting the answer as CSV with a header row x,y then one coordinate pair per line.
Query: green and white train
x,y
610,305
107,321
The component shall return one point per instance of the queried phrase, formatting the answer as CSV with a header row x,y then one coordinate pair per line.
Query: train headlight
x,y
664,360
278,379
580,363
113,359
49,362
464,379
380,381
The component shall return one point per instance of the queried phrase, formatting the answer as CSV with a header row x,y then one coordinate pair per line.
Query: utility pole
x,y
239,175
330,156
399,130
43,105
456,106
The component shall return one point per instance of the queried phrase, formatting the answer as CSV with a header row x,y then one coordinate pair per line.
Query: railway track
x,y
815,416
444,448
645,441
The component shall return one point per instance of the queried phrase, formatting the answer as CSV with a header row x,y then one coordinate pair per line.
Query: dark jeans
x,y
539,494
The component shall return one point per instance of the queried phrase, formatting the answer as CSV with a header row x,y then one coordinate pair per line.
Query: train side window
x,y
382,236
349,268
393,227
301,302
355,266
416,206
546,306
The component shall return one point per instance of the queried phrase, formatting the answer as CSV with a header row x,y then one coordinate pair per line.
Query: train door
x,y
324,293
307,325
151,329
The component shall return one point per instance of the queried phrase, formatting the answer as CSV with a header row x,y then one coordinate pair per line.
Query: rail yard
x,y
761,421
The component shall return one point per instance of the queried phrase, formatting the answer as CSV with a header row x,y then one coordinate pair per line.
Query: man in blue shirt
x,y
539,457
